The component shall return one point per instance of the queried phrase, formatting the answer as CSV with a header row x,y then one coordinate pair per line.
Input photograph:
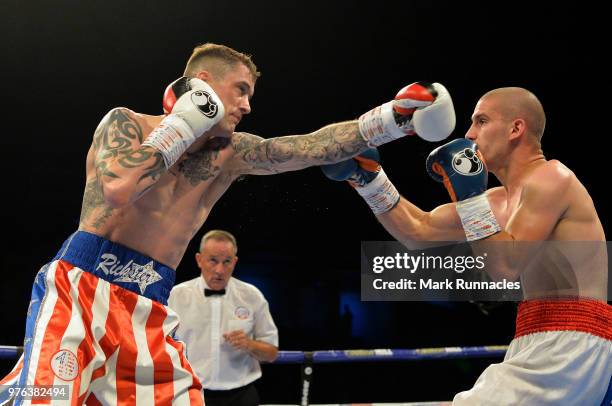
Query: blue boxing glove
x,y
368,178
459,165
358,171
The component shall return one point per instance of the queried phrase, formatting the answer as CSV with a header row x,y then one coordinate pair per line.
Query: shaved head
x,y
516,102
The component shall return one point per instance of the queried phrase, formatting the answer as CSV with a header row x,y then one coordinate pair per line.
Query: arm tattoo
x,y
114,139
104,171
157,168
93,199
116,144
330,144
117,131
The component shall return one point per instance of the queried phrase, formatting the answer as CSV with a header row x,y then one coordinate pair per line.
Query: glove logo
x,y
205,103
467,162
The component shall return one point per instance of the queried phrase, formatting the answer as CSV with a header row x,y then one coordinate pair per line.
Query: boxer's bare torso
x,y
162,221
548,203
551,236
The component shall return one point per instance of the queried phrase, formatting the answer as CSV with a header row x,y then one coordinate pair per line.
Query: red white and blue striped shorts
x,y
99,326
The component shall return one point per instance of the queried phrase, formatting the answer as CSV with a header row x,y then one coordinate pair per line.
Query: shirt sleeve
x,y
265,330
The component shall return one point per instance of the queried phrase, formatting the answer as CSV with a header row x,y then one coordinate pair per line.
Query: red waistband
x,y
586,315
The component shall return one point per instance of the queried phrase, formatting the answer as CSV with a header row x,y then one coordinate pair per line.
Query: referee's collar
x,y
203,285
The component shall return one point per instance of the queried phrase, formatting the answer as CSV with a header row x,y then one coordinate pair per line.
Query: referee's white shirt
x,y
204,320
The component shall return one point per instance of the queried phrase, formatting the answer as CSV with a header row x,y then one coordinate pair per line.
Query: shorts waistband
x,y
119,265
585,315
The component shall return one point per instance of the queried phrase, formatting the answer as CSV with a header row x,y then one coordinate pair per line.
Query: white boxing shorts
x,y
561,355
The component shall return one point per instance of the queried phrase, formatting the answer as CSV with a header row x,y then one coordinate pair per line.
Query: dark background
x,y
65,63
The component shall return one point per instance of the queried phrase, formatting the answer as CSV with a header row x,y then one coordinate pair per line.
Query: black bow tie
x,y
210,292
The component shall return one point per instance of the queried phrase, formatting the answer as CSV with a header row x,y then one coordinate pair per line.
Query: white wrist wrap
x,y
380,194
378,126
477,217
171,137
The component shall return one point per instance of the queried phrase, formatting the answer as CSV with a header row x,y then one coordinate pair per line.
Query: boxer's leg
x,y
548,368
149,366
65,320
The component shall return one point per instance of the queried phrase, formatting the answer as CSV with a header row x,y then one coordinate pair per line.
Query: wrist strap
x,y
378,126
171,137
477,217
380,194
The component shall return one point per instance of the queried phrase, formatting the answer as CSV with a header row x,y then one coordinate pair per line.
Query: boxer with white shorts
x,y
562,352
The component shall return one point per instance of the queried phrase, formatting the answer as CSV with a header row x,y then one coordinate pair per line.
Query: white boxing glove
x,y
193,108
436,121
420,108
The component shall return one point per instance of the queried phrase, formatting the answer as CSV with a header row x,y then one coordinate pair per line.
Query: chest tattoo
x,y
199,166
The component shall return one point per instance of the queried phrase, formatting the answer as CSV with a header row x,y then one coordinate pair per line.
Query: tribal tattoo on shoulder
x,y
330,144
114,139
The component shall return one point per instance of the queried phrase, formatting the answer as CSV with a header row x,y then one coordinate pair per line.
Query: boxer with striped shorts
x,y
98,321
